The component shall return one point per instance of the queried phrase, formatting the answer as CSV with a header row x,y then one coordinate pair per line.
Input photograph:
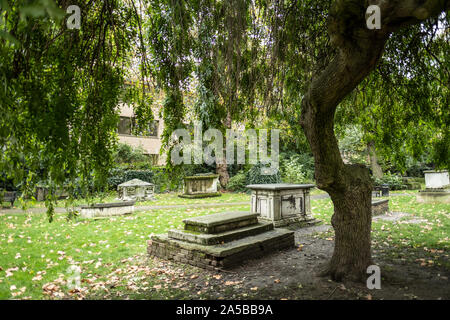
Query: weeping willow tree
x,y
299,60
307,59
60,89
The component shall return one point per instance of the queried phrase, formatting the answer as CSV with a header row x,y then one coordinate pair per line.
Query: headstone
x,y
282,203
136,190
201,186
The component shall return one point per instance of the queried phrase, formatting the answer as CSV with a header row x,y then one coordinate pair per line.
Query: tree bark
x,y
377,171
358,50
221,166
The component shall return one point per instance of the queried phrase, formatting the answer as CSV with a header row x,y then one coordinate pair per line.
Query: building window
x,y
127,124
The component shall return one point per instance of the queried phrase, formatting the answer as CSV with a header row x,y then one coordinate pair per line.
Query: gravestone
x,y
222,240
283,204
437,187
201,186
136,190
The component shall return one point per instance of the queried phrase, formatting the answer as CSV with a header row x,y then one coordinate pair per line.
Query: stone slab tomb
x,y
437,185
283,204
380,207
107,209
201,186
222,240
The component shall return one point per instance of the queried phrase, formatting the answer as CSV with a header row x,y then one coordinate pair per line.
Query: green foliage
x,y
238,182
296,168
254,176
118,176
128,154
60,90
394,182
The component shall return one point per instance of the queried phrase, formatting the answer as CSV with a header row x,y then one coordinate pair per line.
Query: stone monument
x,y
136,190
100,210
437,187
221,240
282,203
202,185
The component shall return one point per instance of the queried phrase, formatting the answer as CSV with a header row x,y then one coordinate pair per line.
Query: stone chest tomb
x,y
201,186
283,203
136,190
437,187
436,179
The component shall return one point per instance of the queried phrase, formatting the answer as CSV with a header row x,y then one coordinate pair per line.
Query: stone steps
x,y
221,255
220,222
222,237
220,240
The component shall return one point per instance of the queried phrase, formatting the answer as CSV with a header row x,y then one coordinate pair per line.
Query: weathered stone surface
x,y
107,209
280,186
227,236
220,222
282,203
380,207
201,186
436,179
200,195
427,196
136,190
223,255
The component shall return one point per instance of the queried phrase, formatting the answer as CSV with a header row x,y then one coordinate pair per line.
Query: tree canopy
x,y
310,63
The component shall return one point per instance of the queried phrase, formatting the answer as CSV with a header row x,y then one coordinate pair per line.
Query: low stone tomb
x,y
221,240
136,190
380,207
42,192
107,209
7,196
201,186
437,187
283,203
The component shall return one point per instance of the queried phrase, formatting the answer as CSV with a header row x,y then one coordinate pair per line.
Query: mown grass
x,y
34,252
163,199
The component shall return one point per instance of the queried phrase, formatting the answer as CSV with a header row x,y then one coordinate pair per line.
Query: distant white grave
x,y
436,179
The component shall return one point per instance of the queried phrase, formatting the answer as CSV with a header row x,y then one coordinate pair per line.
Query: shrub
x,y
128,154
254,176
393,181
238,182
118,176
292,169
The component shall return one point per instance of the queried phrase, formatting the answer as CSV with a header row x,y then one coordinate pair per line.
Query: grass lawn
x,y
164,199
35,255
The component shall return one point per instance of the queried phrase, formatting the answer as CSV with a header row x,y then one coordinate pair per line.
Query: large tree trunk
x,y
377,171
221,166
352,220
358,50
